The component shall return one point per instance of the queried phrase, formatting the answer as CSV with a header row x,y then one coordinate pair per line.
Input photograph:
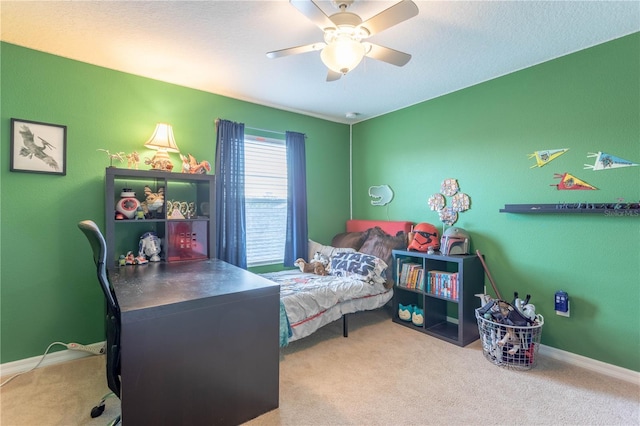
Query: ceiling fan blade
x,y
333,76
395,14
296,50
391,56
309,9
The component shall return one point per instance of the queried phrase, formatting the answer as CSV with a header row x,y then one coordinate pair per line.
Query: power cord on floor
x,y
35,366
95,349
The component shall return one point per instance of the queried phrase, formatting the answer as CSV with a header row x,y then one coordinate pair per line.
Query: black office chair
x,y
99,247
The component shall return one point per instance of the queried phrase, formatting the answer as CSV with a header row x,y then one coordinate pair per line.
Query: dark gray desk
x,y
199,343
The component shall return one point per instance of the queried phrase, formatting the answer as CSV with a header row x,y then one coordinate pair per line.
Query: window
x,y
266,199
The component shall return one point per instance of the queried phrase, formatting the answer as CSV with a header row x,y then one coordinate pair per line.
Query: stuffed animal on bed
x,y
321,258
311,267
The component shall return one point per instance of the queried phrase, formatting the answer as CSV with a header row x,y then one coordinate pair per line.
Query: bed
x,y
360,278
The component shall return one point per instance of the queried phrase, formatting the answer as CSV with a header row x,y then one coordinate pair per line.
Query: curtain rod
x,y
265,130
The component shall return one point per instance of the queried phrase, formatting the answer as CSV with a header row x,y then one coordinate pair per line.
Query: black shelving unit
x,y
123,235
437,323
605,209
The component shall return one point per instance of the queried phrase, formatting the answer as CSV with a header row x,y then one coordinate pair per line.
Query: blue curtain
x,y
231,243
296,244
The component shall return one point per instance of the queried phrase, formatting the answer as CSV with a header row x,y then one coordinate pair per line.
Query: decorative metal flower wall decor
x,y
459,202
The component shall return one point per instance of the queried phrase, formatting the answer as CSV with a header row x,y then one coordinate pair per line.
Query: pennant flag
x,y
568,181
607,161
546,156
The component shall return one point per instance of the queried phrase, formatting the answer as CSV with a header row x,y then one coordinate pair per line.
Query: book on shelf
x,y
420,280
444,284
412,278
404,272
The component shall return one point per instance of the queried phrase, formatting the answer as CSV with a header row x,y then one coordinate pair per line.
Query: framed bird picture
x,y
38,147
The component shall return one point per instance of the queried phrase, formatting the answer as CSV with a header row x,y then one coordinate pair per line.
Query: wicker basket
x,y
510,346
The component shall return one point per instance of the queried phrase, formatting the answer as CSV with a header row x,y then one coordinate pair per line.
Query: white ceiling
x,y
220,46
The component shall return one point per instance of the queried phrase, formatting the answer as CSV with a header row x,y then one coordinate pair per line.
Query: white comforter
x,y
311,301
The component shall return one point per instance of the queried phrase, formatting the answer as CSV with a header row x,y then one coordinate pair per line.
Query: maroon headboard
x,y
390,227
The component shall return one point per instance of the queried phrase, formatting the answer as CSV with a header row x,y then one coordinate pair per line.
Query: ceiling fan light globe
x,y
342,55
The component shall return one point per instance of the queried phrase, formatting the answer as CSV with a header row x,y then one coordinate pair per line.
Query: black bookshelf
x,y
605,209
470,281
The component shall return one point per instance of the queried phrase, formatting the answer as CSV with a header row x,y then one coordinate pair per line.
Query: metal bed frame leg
x,y
345,326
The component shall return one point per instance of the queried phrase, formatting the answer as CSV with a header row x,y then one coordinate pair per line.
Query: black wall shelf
x,y
605,209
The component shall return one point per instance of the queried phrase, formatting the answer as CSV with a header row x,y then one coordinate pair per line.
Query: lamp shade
x,y
162,139
343,54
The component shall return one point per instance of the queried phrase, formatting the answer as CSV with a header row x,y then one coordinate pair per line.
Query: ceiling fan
x,y
343,47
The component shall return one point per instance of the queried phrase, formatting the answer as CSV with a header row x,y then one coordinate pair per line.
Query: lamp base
x,y
160,161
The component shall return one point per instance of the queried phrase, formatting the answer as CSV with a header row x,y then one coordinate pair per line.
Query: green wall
x,y
588,101
48,288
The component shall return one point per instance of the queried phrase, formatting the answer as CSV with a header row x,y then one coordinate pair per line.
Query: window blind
x,y
266,199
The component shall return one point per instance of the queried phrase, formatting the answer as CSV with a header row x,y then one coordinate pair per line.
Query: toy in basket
x,y
510,334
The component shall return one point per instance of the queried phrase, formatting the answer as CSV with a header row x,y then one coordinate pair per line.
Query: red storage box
x,y
187,241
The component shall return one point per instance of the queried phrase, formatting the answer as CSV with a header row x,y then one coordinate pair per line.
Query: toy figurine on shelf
x,y
139,213
116,156
128,204
130,259
190,165
191,211
133,160
149,246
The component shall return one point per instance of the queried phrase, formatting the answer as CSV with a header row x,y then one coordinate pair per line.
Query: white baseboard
x,y
591,364
610,370
22,365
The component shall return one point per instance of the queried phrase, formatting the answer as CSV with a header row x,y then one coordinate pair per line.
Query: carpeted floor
x,y
382,374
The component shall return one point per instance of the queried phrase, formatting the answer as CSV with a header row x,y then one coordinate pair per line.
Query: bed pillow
x,y
363,267
328,251
352,240
380,244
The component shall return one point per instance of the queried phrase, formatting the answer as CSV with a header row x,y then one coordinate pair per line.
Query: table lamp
x,y
163,141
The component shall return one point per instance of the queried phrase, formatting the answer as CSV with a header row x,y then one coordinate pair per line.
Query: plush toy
x,y
417,317
154,201
312,267
319,257
405,312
